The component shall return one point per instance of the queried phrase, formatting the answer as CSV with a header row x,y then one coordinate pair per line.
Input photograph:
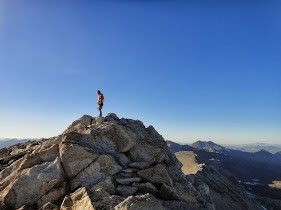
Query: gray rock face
x,y
129,170
122,159
106,185
179,205
49,206
143,152
99,120
139,165
111,116
142,202
104,166
32,183
126,181
203,189
96,163
80,124
168,193
147,187
123,137
106,202
77,200
127,175
126,190
154,135
53,195
71,156
156,175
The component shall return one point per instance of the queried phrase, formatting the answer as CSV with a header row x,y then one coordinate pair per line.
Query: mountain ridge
x,y
246,167
208,145
254,147
118,164
97,163
7,142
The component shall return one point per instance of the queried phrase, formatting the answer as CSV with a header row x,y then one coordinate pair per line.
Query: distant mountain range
x,y
6,142
255,147
175,147
209,146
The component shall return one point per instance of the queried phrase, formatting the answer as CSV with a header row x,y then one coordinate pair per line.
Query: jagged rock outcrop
x,y
77,200
140,202
98,163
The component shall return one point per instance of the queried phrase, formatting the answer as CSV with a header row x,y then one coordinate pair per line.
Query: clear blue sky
x,y
209,71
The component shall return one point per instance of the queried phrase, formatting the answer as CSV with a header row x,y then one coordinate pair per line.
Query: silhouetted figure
x,y
100,101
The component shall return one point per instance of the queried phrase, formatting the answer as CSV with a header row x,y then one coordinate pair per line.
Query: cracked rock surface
x,y
97,163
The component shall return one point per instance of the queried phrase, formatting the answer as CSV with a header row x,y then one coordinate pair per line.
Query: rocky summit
x,y
98,164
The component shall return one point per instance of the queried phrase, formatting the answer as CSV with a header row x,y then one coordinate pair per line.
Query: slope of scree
x,y
222,187
98,163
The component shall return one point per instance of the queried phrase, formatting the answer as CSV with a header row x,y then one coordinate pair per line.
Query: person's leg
x,y
100,111
99,108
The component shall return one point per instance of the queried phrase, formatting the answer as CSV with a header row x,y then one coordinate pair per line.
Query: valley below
x,y
259,173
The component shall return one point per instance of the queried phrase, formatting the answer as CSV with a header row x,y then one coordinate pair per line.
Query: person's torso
x,y
100,99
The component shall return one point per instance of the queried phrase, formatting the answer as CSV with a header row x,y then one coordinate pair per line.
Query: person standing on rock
x,y
100,101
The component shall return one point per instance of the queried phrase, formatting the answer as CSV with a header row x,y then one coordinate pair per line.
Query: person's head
x,y
98,92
